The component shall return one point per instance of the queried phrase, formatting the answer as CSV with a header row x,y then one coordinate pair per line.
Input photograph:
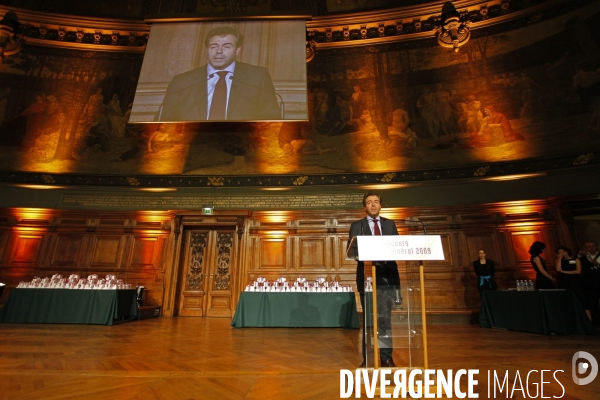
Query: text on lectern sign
x,y
402,247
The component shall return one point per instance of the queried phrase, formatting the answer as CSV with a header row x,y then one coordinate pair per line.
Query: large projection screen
x,y
177,60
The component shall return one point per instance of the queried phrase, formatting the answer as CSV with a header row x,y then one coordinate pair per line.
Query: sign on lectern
x,y
400,248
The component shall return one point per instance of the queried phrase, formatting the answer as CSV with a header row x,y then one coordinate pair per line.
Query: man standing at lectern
x,y
387,279
222,90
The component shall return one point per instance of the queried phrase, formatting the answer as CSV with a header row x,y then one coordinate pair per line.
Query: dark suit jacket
x,y
252,96
387,271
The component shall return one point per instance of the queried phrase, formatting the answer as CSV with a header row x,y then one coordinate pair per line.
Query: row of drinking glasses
x,y
261,284
75,282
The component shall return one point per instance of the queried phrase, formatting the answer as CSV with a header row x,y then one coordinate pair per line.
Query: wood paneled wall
x,y
42,243
148,248
313,244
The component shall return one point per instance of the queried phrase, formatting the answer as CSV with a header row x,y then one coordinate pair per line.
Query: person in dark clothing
x,y
569,269
590,276
543,279
387,279
485,270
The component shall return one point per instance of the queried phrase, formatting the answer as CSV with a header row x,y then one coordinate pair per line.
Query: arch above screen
x,y
261,66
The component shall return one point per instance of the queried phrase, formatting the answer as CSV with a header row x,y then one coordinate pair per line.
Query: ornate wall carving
x,y
224,248
195,277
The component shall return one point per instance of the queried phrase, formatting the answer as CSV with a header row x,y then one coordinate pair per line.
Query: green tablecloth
x,y
542,312
327,310
69,306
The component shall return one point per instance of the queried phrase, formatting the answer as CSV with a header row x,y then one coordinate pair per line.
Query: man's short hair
x,y
591,241
224,31
368,194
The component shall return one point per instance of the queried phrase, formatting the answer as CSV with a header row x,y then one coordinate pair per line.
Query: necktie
x,y
376,229
219,100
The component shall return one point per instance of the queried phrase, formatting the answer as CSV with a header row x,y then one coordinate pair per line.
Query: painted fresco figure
x,y
471,117
130,129
358,101
474,114
34,114
93,110
367,121
98,136
52,116
426,106
524,85
293,141
495,130
587,84
160,139
341,117
400,127
149,142
116,116
503,81
463,117
321,107
443,109
304,147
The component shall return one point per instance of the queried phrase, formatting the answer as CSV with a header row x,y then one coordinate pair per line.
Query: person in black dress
x,y
543,279
569,270
485,270
590,278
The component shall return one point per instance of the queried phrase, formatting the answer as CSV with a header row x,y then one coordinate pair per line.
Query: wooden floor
x,y
204,358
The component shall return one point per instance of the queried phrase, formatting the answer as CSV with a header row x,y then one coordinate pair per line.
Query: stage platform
x,y
205,358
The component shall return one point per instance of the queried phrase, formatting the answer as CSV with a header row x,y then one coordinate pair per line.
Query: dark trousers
x,y
591,287
386,297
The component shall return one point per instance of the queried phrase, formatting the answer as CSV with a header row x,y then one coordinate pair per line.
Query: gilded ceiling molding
x,y
80,33
416,22
496,171
347,30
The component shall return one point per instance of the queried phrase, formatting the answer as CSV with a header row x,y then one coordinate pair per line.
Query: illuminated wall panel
x,y
25,249
67,250
521,242
312,253
106,251
272,253
146,252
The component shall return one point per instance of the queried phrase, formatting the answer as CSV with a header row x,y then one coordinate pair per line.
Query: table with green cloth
x,y
540,311
70,306
297,310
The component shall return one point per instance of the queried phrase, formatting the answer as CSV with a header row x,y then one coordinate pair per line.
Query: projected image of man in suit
x,y
387,279
222,90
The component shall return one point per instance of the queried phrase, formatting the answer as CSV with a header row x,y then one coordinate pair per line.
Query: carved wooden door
x,y
206,278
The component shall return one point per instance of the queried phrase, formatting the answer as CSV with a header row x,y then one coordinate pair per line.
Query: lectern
x,y
407,334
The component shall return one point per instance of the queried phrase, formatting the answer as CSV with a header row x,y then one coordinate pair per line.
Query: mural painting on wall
x,y
526,93
67,111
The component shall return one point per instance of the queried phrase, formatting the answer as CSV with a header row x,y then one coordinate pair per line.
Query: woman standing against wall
x,y
485,270
543,279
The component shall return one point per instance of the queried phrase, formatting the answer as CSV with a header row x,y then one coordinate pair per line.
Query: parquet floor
x,y
204,358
